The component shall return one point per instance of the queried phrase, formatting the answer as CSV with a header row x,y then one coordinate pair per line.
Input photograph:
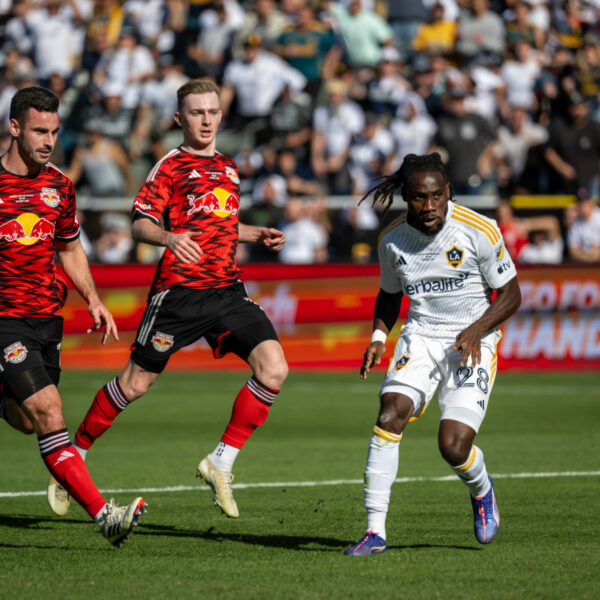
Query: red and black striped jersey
x,y
35,211
200,194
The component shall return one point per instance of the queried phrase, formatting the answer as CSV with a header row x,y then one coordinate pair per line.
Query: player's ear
x,y
14,127
177,118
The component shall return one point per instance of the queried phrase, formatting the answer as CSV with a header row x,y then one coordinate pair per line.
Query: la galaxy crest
x,y
401,362
454,256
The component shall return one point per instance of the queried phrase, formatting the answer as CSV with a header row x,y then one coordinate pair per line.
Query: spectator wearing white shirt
x,y
129,64
583,236
412,129
334,126
370,154
256,82
55,38
305,238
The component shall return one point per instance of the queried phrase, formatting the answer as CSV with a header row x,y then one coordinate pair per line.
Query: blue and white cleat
x,y
486,518
370,544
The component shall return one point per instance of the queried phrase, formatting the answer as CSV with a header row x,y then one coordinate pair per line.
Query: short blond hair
x,y
196,86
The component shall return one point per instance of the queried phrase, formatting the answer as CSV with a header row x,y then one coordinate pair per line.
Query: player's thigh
x,y
414,371
29,355
173,319
465,390
242,327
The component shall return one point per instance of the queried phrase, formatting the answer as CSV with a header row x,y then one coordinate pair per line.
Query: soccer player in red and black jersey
x,y
37,221
190,205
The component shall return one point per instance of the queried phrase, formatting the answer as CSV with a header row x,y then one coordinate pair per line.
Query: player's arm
x,y
76,266
182,245
269,237
387,309
468,341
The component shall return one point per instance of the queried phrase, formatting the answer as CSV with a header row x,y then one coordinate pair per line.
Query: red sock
x,y
107,404
68,468
250,409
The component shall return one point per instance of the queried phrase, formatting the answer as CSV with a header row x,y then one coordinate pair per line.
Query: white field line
x,y
332,482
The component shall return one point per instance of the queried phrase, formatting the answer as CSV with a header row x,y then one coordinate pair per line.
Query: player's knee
x,y
394,412
45,416
454,450
273,374
134,388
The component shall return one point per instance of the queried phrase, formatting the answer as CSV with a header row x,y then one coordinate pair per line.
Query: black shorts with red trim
x,y
225,317
29,354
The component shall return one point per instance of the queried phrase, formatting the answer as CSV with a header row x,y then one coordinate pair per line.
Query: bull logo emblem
x,y
50,197
27,229
218,202
15,353
162,341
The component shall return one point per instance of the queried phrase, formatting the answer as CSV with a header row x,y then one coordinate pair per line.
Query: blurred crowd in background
x,y
319,99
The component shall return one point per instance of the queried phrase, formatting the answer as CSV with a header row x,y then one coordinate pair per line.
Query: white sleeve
x,y
389,281
497,267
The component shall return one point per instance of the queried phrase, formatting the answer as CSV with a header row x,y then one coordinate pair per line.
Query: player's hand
x,y
272,239
102,318
468,343
372,357
184,247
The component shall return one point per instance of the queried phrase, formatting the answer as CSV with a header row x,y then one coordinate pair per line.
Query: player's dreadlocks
x,y
383,192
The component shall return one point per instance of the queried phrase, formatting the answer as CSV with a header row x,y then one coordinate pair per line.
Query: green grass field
x,y
289,538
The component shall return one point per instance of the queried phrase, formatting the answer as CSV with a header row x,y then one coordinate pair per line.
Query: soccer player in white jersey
x,y
448,260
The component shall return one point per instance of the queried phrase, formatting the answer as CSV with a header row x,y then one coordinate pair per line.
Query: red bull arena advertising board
x,y
323,315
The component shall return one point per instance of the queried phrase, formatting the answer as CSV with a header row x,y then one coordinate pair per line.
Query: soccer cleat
x,y
220,483
117,522
370,544
58,498
486,518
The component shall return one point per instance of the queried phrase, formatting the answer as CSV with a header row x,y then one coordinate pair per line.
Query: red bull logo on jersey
x,y
50,197
454,256
15,353
219,202
162,341
401,362
27,229
232,174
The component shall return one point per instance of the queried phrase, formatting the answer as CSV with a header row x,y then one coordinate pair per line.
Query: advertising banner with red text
x,y
323,316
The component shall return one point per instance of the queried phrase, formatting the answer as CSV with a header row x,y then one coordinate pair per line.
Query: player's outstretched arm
x,y
271,238
76,266
182,245
387,309
468,341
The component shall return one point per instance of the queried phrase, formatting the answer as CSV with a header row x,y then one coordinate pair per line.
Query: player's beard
x,y
30,155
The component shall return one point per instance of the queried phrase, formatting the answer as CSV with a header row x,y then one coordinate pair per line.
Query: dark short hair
x,y
196,86
36,97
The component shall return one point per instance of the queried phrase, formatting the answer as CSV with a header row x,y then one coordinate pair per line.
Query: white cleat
x,y
117,522
58,498
220,483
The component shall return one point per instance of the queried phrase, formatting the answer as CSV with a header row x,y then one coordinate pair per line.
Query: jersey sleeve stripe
x,y
493,239
469,214
152,174
137,211
397,221
68,237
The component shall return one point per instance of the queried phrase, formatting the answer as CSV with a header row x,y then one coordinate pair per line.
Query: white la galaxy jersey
x,y
450,276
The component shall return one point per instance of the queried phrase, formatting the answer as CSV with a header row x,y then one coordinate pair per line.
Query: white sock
x,y
99,514
223,456
474,474
82,451
380,473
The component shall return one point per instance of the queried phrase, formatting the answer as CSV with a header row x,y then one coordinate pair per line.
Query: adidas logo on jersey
x,y
194,174
401,260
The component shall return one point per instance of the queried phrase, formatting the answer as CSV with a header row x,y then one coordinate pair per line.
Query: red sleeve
x,y
154,195
67,226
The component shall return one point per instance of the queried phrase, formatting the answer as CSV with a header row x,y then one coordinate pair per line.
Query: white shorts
x,y
422,365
